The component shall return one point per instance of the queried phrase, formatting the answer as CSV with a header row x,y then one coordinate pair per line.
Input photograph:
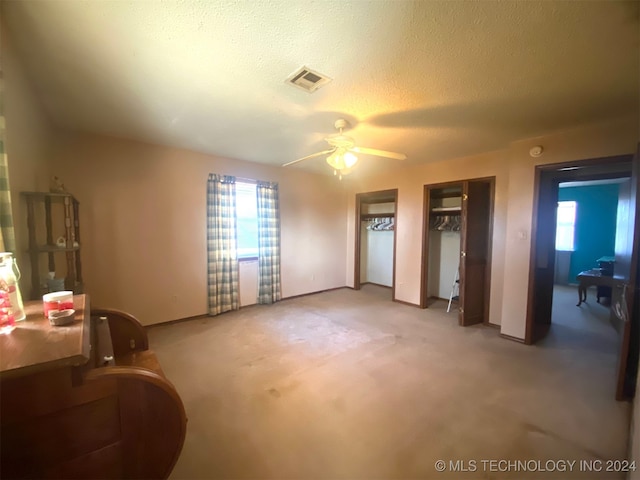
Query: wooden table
x,y
606,266
589,278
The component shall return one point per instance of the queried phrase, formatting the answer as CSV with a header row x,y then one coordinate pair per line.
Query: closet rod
x,y
367,216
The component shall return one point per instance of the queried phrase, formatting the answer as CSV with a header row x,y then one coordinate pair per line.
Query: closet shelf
x,y
446,210
447,194
53,248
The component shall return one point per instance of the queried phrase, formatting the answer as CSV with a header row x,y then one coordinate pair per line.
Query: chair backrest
x,y
127,333
152,421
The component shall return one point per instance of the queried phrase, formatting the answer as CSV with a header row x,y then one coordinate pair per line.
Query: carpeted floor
x,y
347,384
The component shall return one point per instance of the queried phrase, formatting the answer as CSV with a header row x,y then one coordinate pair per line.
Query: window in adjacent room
x,y
566,225
247,219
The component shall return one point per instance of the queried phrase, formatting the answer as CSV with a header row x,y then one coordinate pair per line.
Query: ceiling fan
x,y
341,154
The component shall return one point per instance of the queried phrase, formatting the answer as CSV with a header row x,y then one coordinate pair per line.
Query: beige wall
x,y
143,224
613,138
28,139
514,170
409,216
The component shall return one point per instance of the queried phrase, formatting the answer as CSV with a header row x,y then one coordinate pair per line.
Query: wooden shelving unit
x,y
71,228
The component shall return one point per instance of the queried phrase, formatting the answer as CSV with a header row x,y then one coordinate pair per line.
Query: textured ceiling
x,y
430,79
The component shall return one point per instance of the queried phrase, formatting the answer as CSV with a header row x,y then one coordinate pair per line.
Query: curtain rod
x,y
249,180
246,180
253,180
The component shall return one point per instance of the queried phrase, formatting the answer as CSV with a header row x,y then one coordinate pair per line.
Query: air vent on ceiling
x,y
307,79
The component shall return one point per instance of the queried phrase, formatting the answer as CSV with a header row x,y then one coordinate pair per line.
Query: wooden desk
x,y
589,278
606,265
87,400
36,345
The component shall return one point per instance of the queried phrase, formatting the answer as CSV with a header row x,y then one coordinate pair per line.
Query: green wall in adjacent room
x,y
595,232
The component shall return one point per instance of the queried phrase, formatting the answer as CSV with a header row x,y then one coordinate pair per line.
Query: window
x,y
247,219
565,228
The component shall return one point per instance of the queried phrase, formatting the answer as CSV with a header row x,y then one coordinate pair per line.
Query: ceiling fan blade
x,y
379,153
313,155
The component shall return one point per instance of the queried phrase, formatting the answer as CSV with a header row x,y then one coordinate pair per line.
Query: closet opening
x,y
375,250
456,248
444,225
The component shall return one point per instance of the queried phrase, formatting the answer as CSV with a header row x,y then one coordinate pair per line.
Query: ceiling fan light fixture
x,y
341,152
350,159
342,161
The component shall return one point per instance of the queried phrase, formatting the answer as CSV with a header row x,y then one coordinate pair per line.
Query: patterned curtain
x,y
222,256
268,242
7,235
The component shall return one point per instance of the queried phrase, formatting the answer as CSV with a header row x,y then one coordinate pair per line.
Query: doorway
x,y
456,248
375,249
545,262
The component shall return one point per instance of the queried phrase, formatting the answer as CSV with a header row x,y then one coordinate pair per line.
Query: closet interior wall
x,y
444,241
376,243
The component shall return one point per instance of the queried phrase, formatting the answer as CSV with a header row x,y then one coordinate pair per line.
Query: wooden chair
x,y
102,409
127,333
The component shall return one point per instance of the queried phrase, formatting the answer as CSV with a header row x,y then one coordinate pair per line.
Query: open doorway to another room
x,y
585,245
579,270
586,234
